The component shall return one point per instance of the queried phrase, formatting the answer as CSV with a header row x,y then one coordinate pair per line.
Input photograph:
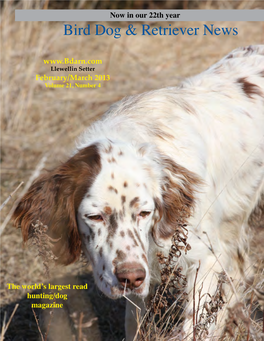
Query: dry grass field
x,y
38,129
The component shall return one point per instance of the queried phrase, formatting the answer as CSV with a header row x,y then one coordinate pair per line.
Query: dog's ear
x,y
177,200
54,198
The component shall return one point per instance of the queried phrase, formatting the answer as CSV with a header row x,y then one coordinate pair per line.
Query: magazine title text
x,y
147,30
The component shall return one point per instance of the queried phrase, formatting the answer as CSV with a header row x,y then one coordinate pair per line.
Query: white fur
x,y
210,126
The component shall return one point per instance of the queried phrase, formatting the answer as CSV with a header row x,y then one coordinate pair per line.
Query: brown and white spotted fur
x,y
191,153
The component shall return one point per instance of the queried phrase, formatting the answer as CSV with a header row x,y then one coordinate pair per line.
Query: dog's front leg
x,y
134,312
206,309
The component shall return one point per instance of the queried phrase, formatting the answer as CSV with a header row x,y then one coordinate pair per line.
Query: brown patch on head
x,y
125,184
249,89
107,210
112,227
111,160
54,198
144,258
134,217
134,202
92,234
113,221
121,256
108,149
178,200
111,188
123,199
131,235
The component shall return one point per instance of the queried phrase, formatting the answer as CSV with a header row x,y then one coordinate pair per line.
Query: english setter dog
x,y
192,153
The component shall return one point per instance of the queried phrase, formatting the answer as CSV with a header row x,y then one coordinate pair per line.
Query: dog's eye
x,y
97,217
144,214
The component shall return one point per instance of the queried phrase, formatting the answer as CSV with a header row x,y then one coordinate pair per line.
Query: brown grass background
x,y
38,121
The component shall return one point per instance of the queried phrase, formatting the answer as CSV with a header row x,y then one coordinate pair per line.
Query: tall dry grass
x,y
41,124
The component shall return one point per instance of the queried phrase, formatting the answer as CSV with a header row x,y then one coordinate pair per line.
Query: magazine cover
x,y
132,170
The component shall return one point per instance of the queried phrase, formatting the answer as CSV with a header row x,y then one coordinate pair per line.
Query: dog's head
x,y
112,200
